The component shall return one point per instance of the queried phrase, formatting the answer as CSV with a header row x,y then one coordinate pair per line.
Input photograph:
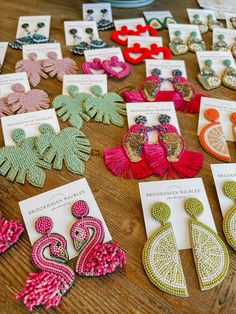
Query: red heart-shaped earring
x,y
136,49
155,50
124,31
142,29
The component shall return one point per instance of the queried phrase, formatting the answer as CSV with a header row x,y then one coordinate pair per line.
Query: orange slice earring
x,y
212,137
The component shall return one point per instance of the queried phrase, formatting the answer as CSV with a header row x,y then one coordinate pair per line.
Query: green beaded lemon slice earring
x,y
229,75
229,222
209,251
161,259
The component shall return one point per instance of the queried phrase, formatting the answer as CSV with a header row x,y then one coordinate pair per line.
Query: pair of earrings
x,y
95,258
53,66
29,37
103,23
221,45
159,24
211,23
193,44
139,159
161,259
212,137
209,79
78,106
90,43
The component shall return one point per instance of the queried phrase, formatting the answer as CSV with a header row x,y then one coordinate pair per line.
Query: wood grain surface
x,y
127,291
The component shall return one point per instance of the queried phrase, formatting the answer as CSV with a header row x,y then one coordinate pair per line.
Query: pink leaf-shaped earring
x,y
5,109
95,257
55,279
59,67
21,101
10,232
32,67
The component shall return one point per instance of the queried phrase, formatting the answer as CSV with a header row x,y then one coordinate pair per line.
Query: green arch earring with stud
x,y
177,45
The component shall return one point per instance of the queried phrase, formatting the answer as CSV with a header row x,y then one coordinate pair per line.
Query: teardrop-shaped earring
x,y
233,48
211,256
212,137
177,45
220,45
208,77
161,259
195,44
229,222
202,27
213,23
229,75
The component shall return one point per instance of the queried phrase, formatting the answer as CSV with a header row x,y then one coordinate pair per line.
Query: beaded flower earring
x,y
202,27
177,45
211,256
229,221
195,44
228,78
220,45
95,257
161,259
212,137
208,77
213,23
55,279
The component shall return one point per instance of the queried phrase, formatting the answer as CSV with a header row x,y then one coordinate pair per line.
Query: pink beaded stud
x,y
44,225
80,209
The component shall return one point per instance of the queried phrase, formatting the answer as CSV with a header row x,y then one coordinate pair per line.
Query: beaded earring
x,y
89,16
211,256
177,45
213,23
229,75
233,120
95,257
104,23
208,77
233,48
212,137
220,45
80,46
195,44
229,221
202,27
54,279
161,259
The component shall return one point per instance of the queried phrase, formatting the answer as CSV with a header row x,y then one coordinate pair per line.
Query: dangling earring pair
x,y
161,259
103,23
202,27
55,279
210,80
194,44
221,45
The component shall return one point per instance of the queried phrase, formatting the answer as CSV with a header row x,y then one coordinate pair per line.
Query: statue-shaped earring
x,y
161,259
233,120
212,137
177,45
233,48
229,221
212,23
104,23
229,75
208,77
89,16
54,279
195,44
96,258
202,27
211,256
220,45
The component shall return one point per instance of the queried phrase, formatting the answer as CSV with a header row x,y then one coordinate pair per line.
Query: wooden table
x,y
127,291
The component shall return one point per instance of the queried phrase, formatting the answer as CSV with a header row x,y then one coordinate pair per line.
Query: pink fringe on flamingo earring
x,y
55,279
169,157
128,160
95,257
10,232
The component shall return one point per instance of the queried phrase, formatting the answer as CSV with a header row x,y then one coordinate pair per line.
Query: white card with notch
x,y
229,35
130,23
217,58
185,29
57,204
33,21
42,50
161,15
151,110
145,41
97,14
80,26
174,193
29,122
166,67
231,24
103,54
225,108
221,174
84,82
7,80
202,14
3,50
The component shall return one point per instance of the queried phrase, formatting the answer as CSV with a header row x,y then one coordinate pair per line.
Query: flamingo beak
x,y
64,255
78,244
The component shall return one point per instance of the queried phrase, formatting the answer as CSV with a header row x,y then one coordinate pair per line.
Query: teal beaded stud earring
x,y
177,45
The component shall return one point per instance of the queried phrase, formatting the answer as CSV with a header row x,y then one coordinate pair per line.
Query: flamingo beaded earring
x,y
55,279
95,257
